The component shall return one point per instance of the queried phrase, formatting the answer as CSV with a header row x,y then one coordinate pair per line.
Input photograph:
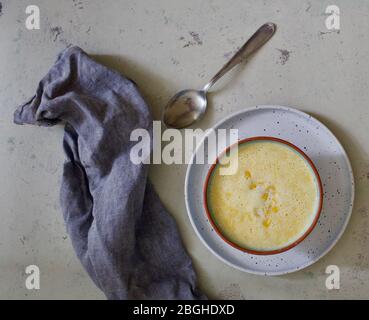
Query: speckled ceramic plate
x,y
334,168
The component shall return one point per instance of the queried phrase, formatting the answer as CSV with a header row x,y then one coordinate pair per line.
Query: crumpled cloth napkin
x,y
122,234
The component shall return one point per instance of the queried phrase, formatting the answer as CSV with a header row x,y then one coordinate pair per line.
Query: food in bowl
x,y
271,203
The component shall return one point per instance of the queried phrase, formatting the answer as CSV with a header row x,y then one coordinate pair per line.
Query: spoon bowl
x,y
186,107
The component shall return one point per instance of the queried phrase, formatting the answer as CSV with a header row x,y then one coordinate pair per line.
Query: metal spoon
x,y
189,105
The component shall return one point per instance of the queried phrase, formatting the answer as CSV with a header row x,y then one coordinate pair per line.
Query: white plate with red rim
x,y
328,156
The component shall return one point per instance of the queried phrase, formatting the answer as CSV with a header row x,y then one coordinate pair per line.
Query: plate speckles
x,y
335,171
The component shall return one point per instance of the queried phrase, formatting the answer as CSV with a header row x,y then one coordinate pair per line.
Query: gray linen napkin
x,y
120,231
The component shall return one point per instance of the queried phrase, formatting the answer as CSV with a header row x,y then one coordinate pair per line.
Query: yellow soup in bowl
x,y
271,203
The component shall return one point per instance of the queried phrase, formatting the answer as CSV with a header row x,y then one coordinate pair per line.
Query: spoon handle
x,y
261,36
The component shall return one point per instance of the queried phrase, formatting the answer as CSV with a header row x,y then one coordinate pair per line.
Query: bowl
x,y
311,226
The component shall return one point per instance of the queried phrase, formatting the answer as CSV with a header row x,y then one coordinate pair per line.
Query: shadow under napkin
x,y
125,239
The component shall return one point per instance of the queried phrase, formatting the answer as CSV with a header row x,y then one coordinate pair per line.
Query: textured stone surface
x,y
166,46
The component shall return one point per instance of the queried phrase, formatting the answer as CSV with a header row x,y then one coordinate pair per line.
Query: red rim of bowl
x,y
307,232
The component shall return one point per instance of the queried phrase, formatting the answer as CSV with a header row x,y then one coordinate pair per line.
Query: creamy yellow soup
x,y
270,202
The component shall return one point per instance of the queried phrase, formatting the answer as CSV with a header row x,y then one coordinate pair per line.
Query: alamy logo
x,y
179,146
332,22
333,280
33,19
33,280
